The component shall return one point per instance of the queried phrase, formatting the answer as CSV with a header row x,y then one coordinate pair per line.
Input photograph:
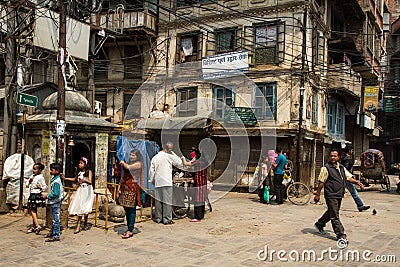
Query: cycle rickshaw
x,y
373,169
183,190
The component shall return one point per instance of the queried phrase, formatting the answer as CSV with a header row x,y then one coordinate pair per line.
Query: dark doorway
x,y
81,148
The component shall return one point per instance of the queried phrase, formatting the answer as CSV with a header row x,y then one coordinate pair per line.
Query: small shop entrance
x,y
81,148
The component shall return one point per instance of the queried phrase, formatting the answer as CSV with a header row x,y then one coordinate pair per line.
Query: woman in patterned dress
x,y
129,190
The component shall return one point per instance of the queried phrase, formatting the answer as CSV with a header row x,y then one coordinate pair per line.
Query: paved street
x,y
232,235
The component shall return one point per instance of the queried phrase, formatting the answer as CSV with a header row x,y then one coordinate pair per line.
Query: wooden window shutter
x,y
210,44
280,42
248,42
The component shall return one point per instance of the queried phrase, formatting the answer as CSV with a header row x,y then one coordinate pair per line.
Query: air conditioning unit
x,y
97,107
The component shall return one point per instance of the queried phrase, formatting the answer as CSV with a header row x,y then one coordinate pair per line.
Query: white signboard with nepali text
x,y
225,65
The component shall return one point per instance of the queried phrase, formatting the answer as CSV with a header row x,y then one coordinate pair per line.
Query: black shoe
x,y
170,222
52,239
361,209
319,229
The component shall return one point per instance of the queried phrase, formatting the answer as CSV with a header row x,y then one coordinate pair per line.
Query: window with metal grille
x,y
187,101
268,42
225,40
223,98
264,99
265,44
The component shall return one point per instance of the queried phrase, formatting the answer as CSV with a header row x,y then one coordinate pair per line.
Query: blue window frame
x,y
335,118
264,100
331,120
223,97
340,119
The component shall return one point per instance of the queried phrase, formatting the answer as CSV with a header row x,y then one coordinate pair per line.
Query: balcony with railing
x,y
341,77
126,21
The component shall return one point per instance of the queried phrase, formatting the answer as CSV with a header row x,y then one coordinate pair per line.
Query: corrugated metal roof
x,y
71,119
175,123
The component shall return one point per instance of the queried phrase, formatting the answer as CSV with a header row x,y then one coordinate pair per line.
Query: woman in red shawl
x,y
129,190
199,167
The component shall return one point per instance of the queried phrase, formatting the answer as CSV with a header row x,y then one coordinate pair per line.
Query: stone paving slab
x,y
231,235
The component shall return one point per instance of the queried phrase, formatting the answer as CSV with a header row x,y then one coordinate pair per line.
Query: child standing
x,y
36,185
54,198
82,204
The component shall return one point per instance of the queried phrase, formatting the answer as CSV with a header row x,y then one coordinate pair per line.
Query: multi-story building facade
x,y
314,81
357,59
308,68
280,62
389,141
119,37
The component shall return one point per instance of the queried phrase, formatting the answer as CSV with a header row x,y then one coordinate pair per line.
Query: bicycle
x,y
297,192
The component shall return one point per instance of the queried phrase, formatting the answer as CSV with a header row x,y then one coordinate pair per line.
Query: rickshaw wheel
x,y
298,193
180,212
387,182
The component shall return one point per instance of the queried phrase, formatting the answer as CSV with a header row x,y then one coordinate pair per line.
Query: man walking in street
x,y
333,177
279,167
347,162
161,176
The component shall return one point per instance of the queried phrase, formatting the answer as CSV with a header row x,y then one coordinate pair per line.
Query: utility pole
x,y
91,87
9,100
62,44
302,89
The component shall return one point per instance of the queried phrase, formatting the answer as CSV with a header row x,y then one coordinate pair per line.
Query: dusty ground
x,y
232,235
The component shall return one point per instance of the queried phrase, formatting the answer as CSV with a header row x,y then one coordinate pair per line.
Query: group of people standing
x,y
161,175
273,168
128,191
81,204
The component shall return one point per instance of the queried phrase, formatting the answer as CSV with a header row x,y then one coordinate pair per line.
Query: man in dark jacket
x,y
347,162
333,177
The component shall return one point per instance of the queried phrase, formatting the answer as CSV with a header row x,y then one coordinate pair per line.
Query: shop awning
x,y
175,123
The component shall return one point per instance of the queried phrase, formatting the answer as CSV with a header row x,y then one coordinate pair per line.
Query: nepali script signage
x,y
225,65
